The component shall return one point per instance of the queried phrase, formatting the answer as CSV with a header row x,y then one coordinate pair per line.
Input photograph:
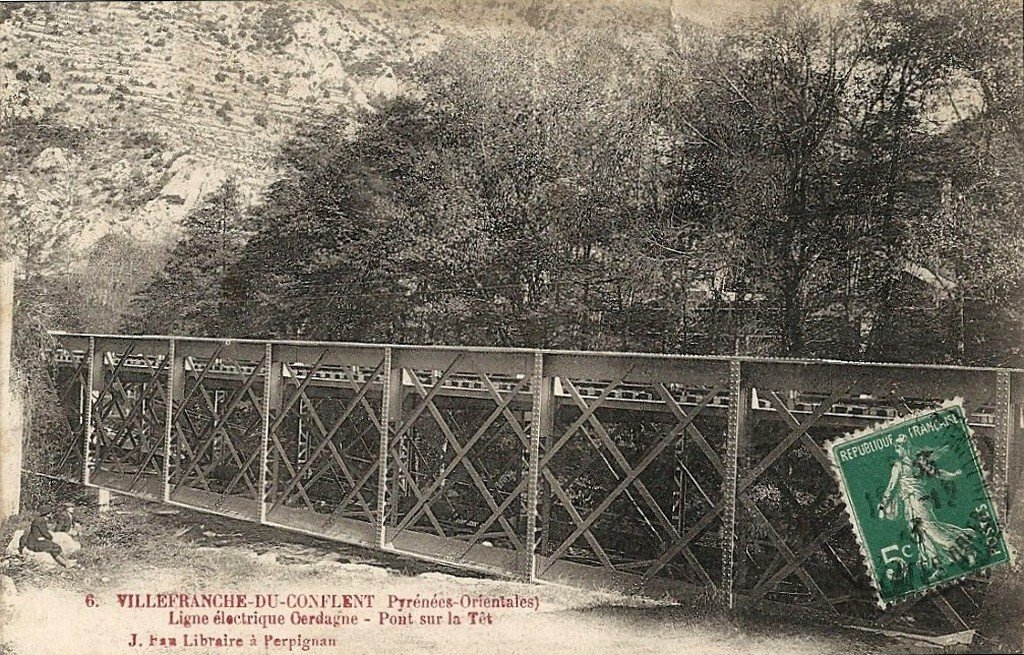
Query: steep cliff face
x,y
206,89
174,97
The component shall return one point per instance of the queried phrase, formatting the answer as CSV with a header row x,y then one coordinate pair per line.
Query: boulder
x,y
62,539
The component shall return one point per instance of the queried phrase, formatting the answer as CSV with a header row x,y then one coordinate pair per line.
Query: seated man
x,y
65,521
38,538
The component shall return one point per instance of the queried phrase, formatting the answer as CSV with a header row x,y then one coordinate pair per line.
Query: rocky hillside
x,y
174,97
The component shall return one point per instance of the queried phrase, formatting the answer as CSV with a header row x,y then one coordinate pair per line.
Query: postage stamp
x,y
917,497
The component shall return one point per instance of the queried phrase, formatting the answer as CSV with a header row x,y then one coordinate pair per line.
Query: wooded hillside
x,y
837,180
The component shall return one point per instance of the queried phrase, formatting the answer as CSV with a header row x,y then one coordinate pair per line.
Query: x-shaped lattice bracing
x,y
835,522
555,486
792,560
336,458
190,453
798,432
183,442
327,439
243,466
152,387
157,443
79,375
371,413
107,405
183,412
631,474
132,419
102,410
524,440
216,424
75,434
680,542
279,451
596,446
517,428
702,443
397,441
460,456
742,485
356,486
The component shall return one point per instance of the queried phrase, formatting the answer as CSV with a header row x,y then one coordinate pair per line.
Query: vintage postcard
x,y
531,326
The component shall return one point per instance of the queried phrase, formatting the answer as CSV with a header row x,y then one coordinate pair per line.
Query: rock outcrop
x,y
63,539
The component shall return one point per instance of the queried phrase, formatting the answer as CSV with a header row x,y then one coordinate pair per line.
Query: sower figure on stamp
x,y
38,538
908,496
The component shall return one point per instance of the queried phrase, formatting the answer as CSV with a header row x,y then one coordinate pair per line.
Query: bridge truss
x,y
658,475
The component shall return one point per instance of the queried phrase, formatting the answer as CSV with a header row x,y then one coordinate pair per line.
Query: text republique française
x,y
884,442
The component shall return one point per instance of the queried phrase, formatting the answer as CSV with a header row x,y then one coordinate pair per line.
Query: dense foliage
x,y
813,182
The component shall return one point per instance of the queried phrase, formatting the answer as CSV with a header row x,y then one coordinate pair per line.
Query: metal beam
x,y
541,423
271,399
175,390
95,387
739,406
1002,438
390,414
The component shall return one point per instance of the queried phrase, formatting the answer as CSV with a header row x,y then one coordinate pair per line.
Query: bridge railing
x,y
655,474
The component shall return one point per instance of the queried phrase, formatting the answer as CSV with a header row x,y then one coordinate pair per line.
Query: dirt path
x,y
52,615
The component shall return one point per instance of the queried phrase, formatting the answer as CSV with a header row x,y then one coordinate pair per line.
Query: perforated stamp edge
x,y
867,560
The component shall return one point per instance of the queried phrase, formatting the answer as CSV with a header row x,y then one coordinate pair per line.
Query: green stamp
x,y
917,497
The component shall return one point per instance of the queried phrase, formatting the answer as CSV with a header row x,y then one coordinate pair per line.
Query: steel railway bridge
x,y
651,474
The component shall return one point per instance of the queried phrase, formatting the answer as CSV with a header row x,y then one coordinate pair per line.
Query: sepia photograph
x,y
372,327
